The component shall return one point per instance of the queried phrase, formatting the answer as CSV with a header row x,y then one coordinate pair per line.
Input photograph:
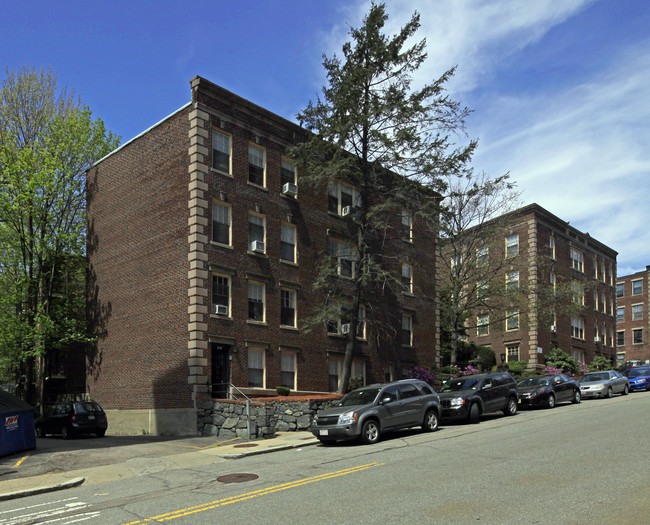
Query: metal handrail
x,y
233,396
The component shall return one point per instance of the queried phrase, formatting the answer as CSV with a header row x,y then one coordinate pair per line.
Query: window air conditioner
x,y
553,328
257,246
220,309
596,339
290,189
345,328
346,210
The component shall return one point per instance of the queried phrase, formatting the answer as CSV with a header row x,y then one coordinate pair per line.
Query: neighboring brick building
x,y
632,309
548,251
204,248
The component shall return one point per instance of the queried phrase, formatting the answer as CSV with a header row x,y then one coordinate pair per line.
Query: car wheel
x,y
474,413
625,390
100,433
609,392
511,407
39,431
370,432
647,387
430,421
576,397
65,433
551,401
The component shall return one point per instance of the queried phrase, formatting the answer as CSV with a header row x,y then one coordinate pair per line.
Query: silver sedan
x,y
603,384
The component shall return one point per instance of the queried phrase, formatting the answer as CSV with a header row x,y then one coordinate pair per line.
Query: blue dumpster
x,y
16,425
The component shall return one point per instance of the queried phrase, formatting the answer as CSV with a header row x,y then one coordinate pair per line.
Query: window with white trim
x,y
512,352
389,373
512,281
221,151
407,330
637,312
512,245
620,314
220,294
335,366
577,293
288,307
345,255
637,287
637,336
256,368
406,228
340,196
287,172
620,289
221,223
288,243
577,328
512,319
551,247
482,256
577,260
256,301
288,369
407,278
620,338
256,232
482,289
256,165
483,324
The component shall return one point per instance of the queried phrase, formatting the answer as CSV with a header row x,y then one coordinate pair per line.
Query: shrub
x,y
468,370
486,357
562,361
517,368
420,373
601,363
354,383
282,390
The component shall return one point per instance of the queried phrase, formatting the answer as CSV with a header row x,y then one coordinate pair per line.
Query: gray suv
x,y
368,412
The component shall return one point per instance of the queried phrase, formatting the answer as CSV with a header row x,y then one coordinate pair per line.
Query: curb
x,y
75,482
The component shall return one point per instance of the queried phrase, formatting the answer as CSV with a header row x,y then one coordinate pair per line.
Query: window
x,y
512,245
595,300
577,293
220,294
551,247
288,243
512,281
359,370
577,262
256,368
482,289
482,256
637,287
620,289
637,336
256,165
407,330
389,373
406,228
620,338
512,320
288,308
483,324
407,280
553,321
221,220
221,151
551,279
578,355
595,268
603,277
620,314
637,312
256,233
287,172
288,369
577,328
603,302
345,257
341,325
512,352
342,196
256,301
335,365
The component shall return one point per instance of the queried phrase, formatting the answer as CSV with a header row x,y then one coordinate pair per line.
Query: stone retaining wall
x,y
227,419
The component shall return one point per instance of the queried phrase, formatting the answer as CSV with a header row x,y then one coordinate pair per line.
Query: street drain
x,y
245,445
237,478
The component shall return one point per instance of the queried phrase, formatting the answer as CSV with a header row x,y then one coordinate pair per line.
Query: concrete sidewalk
x,y
28,486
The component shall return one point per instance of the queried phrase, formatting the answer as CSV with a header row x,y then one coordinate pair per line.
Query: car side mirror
x,y
385,400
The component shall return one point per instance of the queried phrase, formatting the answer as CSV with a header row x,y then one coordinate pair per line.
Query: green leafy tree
x,y
600,362
562,361
375,133
47,142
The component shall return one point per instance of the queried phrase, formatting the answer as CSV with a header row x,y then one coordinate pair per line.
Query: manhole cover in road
x,y
245,445
237,478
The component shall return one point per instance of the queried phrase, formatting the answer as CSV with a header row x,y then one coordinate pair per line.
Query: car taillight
x,y
73,419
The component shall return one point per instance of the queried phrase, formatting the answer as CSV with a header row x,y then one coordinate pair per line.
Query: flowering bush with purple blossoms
x,y
584,369
420,373
469,370
551,370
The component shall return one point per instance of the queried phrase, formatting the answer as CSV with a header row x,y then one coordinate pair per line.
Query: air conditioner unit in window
x,y
596,339
553,328
290,189
345,328
257,246
219,309
346,210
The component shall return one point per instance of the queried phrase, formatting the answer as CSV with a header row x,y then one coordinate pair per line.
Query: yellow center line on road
x,y
249,495
20,461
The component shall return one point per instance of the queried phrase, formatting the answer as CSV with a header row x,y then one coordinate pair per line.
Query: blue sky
x,y
559,88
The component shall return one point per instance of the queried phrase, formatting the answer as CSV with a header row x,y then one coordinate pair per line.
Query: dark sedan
x,y
72,418
546,391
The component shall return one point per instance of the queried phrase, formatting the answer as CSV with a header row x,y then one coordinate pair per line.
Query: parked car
x,y
638,378
546,391
603,384
368,412
72,418
470,396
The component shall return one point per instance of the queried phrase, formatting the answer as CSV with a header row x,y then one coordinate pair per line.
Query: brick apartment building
x,y
203,249
632,309
548,251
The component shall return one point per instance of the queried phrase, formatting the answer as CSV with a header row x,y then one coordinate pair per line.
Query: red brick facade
x,y
585,335
632,310
171,298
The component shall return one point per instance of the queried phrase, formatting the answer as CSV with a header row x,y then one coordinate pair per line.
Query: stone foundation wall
x,y
228,419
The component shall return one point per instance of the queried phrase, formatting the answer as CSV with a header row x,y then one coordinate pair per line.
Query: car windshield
x,y
637,372
602,376
359,397
461,383
535,381
86,407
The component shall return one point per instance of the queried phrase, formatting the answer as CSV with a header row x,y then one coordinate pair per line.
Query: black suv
x,y
367,412
470,396
71,418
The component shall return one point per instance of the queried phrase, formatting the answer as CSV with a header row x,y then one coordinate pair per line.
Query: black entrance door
x,y
220,370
